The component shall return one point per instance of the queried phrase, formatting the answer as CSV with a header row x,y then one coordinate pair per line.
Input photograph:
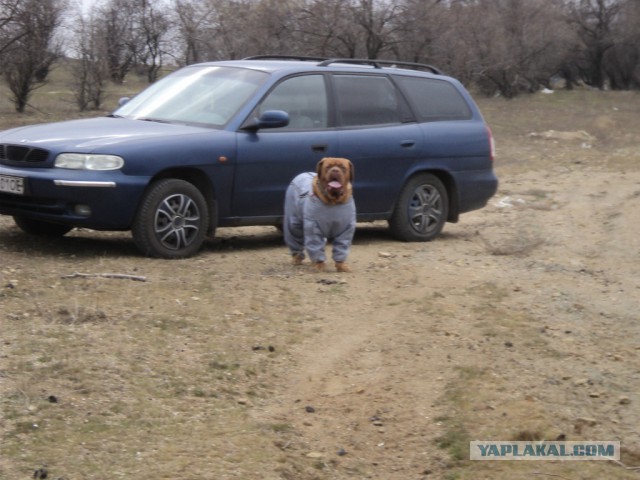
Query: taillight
x,y
492,144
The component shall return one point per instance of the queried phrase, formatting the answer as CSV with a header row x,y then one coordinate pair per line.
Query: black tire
x,y
421,210
172,220
41,228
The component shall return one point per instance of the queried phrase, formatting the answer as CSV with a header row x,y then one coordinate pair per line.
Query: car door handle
x,y
319,148
407,143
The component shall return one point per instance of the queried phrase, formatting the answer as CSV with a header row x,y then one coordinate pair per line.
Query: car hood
x,y
88,135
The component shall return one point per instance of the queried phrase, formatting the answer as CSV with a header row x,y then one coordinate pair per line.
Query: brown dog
x,y
333,182
320,207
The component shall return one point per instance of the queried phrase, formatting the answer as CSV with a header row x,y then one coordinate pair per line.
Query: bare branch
x,y
106,275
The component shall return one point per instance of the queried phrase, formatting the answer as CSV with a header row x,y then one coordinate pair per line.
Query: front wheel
x,y
172,221
41,228
421,210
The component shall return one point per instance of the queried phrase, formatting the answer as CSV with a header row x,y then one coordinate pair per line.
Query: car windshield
x,y
201,95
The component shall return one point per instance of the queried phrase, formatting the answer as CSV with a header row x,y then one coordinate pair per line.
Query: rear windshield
x,y
434,99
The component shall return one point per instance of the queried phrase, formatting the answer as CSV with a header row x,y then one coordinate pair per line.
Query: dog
x,y
319,207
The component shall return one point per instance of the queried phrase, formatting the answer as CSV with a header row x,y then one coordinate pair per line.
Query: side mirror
x,y
123,101
269,119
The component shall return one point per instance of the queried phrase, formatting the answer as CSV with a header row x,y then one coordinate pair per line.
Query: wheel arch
x,y
201,181
452,190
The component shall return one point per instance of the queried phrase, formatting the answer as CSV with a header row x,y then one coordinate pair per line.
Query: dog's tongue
x,y
334,185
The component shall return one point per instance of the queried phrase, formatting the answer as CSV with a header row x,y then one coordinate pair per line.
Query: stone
x,y
592,422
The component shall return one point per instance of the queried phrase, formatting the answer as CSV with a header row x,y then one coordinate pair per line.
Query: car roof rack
x,y
325,62
378,63
286,57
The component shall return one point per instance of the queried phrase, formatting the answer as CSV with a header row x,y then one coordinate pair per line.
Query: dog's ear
x,y
319,166
352,171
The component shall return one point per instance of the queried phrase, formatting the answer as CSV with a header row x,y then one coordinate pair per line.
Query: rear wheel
x,y
421,211
172,221
41,228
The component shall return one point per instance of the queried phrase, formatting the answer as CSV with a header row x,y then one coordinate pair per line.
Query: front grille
x,y
19,154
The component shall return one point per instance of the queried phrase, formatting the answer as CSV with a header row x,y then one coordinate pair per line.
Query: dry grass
x,y
55,100
147,379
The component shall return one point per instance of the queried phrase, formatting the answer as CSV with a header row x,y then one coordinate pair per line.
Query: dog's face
x,y
335,176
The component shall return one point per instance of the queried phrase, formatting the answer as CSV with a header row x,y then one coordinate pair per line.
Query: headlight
x,y
82,161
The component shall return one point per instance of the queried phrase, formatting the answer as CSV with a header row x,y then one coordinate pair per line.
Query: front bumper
x,y
79,198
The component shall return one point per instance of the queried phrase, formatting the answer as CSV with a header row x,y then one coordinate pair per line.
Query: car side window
x,y
434,99
304,98
364,100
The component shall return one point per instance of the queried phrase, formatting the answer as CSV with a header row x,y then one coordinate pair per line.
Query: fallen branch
x,y
619,463
550,475
107,275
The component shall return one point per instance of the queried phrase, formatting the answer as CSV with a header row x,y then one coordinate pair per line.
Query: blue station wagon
x,y
216,144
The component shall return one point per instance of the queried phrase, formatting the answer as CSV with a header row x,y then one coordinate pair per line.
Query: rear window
x,y
434,99
365,100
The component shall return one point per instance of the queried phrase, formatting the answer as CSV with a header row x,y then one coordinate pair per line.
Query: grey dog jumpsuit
x,y
309,223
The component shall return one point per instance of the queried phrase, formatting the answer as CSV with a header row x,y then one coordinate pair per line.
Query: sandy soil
x,y
520,323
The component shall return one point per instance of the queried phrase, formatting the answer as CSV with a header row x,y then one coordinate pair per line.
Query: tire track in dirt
x,y
363,390
389,343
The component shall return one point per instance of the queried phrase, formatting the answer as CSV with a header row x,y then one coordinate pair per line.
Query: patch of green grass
x,y
490,291
281,427
223,365
25,427
455,440
537,193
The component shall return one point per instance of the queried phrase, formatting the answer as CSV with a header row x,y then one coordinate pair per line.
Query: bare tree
x,y
89,69
193,22
419,25
231,17
218,29
504,46
622,61
28,59
322,28
152,26
593,21
377,20
271,27
122,45
10,30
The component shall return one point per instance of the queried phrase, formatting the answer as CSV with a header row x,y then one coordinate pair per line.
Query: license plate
x,y
13,185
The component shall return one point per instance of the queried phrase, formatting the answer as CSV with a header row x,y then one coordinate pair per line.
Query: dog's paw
x,y
343,267
296,259
319,266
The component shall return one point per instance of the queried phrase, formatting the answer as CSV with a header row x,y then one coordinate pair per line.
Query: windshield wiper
x,y
156,120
